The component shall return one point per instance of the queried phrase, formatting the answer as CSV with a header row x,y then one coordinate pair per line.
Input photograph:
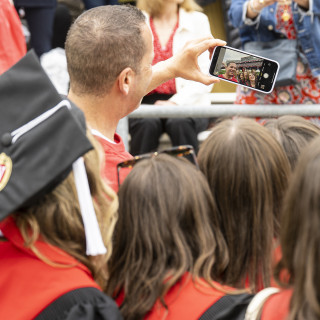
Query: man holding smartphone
x,y
231,72
109,53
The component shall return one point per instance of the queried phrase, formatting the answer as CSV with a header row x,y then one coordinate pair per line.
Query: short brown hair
x,y
300,241
100,44
165,229
247,171
293,133
154,7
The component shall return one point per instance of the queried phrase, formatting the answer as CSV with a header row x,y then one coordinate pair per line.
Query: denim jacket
x,y
263,28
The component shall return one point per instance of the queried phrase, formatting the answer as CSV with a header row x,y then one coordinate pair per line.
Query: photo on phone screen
x,y
243,68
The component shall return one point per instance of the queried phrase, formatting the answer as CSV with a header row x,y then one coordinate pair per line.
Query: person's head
x,y
241,76
155,7
231,69
245,74
247,171
252,77
293,133
107,46
165,229
300,241
56,217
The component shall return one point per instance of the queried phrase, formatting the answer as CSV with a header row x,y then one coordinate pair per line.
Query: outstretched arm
x,y
184,64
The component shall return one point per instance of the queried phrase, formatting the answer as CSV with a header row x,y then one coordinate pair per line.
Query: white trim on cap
x,y
16,134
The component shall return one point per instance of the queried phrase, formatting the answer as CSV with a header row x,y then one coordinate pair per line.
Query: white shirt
x,y
192,25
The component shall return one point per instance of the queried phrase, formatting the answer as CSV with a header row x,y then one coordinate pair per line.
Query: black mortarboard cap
x,y
41,135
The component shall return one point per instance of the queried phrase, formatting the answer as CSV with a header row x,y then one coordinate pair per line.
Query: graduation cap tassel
x,y
95,245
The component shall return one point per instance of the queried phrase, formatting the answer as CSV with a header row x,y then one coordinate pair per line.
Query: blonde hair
x,y
56,218
155,7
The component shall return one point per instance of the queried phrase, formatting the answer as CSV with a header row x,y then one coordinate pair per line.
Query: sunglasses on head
x,y
179,151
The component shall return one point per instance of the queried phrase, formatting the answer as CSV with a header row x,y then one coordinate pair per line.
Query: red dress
x,y
161,54
307,89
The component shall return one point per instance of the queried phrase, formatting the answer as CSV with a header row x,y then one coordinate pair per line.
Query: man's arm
x,y
184,64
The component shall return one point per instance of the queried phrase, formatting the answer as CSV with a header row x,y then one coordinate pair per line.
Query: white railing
x,y
222,106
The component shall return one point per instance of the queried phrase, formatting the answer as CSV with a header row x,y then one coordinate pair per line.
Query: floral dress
x,y
307,89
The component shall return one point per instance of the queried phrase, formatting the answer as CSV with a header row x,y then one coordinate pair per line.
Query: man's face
x,y
144,76
231,70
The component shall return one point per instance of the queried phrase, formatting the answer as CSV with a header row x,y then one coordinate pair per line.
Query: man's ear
x,y
125,80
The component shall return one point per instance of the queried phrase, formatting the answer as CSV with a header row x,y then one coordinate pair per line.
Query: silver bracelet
x,y
252,8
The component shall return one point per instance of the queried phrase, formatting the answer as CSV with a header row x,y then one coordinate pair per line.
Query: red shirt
x,y
114,153
161,54
186,300
234,79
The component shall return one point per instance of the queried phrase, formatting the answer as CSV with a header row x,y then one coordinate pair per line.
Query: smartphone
x,y
244,69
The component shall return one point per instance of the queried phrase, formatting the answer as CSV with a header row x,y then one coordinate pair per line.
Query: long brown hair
x,y
57,218
293,133
165,229
247,171
300,236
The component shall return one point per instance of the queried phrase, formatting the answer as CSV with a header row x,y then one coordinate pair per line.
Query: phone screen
x,y
244,68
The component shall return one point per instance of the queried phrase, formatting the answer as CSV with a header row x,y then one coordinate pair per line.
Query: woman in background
x,y
173,23
269,20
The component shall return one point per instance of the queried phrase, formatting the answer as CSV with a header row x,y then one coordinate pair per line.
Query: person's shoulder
x,y
277,306
83,303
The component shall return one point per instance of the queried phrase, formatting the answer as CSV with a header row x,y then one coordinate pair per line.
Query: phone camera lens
x,y
266,75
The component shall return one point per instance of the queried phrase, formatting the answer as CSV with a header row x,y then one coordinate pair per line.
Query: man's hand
x,y
184,64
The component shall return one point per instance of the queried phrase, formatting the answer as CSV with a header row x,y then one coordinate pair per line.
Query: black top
x,y
82,304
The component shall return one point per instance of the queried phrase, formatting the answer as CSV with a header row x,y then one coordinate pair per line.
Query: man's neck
x,y
98,112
